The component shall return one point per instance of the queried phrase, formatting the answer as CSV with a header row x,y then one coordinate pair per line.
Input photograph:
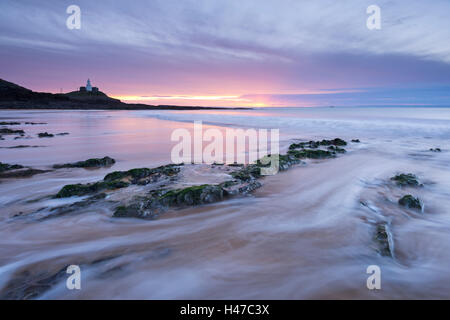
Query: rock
x,y
411,202
310,144
404,180
84,189
118,179
90,163
21,147
11,131
334,142
27,284
247,173
25,173
435,150
62,134
45,135
35,123
6,167
336,149
356,141
137,176
249,187
235,164
384,240
159,201
5,123
311,154
194,195
284,161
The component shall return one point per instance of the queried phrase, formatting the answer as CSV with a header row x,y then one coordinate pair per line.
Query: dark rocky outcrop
x,y
406,179
383,239
21,147
119,179
6,123
90,163
411,202
311,154
45,135
22,173
11,131
17,171
6,167
35,123
71,190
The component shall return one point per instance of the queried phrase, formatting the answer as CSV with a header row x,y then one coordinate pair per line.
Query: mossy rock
x,y
336,149
309,144
334,142
90,163
84,189
247,173
311,154
194,195
7,167
285,161
140,173
411,202
25,173
404,180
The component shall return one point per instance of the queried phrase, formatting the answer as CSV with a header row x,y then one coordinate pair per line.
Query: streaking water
x,y
304,234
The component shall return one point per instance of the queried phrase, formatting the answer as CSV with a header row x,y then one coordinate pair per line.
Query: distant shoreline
x,y
123,107
15,97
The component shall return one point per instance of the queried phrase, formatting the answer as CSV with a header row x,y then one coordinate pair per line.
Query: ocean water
x,y
307,233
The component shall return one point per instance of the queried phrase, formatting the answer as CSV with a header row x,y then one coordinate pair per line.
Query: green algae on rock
x,y
6,167
407,179
311,154
140,173
119,179
84,189
411,202
90,163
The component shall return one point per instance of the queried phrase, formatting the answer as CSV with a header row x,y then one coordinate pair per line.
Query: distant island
x,y
13,96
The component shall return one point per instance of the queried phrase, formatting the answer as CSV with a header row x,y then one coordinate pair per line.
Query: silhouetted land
x,y
13,96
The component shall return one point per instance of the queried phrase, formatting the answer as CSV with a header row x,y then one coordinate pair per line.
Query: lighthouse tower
x,y
88,86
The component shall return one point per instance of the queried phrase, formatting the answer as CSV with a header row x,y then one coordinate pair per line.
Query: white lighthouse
x,y
88,86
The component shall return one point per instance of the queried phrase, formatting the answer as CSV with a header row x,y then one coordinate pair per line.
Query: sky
x,y
233,53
